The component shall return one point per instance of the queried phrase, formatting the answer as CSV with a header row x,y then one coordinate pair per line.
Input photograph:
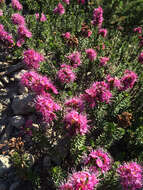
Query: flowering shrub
x,y
87,89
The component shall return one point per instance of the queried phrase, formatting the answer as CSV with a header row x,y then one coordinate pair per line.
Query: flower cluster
x,y
113,82
16,5
37,83
75,103
59,9
32,58
81,180
18,19
5,37
65,74
98,92
128,80
76,123
66,35
43,17
23,33
141,57
75,59
46,106
102,32
91,54
130,175
98,17
138,30
98,159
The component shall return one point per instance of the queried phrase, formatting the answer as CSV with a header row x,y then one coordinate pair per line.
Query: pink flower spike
x,y
18,19
43,18
16,5
66,35
140,58
59,9
91,54
75,59
102,32
138,30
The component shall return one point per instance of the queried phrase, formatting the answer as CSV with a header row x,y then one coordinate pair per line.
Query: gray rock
x,y
23,104
7,134
1,107
5,79
2,128
3,186
14,186
4,164
18,75
17,121
22,89
1,85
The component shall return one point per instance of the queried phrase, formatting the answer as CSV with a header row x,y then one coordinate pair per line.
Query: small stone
x,y
23,104
7,133
1,85
18,75
4,164
17,121
5,79
2,128
22,89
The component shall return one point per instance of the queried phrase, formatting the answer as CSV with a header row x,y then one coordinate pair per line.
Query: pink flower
x,y
138,30
16,5
1,12
66,1
20,42
37,83
33,58
98,17
18,19
75,102
140,59
43,18
76,123
75,59
98,92
59,9
47,107
65,74
24,32
102,32
130,175
5,37
91,54
98,159
128,80
103,61
113,82
66,35
81,180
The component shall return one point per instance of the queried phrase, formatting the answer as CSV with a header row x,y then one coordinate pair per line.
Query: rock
x,y
4,164
17,121
7,134
14,186
22,89
23,104
1,85
14,68
5,79
18,75
3,186
46,162
2,128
